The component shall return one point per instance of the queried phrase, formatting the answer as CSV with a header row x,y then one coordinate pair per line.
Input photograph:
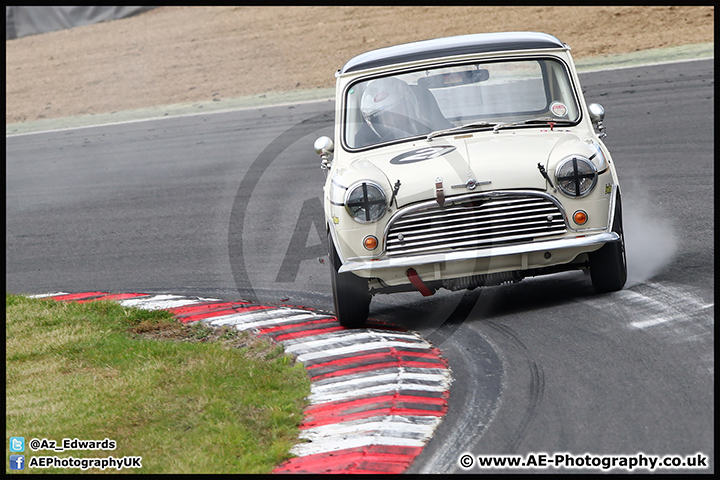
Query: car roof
x,y
457,45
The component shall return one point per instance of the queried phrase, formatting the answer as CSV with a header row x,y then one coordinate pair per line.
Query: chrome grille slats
x,y
479,228
440,223
474,221
480,234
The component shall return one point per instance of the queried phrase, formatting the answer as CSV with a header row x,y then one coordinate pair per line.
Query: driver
x,y
391,109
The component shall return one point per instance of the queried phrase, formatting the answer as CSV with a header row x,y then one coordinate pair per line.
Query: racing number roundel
x,y
421,154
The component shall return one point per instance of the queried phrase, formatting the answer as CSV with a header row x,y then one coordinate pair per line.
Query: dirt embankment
x,y
189,54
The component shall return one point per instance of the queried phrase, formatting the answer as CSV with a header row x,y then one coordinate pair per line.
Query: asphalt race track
x,y
228,205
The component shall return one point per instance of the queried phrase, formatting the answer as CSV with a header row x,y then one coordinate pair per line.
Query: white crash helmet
x,y
391,110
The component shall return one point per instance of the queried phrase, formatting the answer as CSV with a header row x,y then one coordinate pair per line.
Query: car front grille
x,y
473,222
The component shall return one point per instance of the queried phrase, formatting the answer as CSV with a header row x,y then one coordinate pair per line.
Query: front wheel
x,y
608,265
350,293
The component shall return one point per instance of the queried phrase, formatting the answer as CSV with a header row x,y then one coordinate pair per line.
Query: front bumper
x,y
573,246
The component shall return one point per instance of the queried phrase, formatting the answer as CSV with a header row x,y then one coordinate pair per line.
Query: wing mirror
x,y
324,147
597,117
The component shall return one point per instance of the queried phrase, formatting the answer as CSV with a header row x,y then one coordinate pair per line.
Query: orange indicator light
x,y
370,242
580,217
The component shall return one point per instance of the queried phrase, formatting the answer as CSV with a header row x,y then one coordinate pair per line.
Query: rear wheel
x,y
608,265
350,293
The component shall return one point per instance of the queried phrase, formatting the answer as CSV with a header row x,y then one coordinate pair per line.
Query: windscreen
x,y
397,107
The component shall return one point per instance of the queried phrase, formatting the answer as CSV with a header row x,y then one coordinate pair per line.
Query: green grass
x,y
187,399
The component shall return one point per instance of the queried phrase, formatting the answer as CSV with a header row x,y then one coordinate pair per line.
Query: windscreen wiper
x,y
540,120
467,126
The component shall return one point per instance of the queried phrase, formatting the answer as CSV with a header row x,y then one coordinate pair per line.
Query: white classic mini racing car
x,y
464,162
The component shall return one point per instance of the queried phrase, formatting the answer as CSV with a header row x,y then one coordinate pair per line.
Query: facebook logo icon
x,y
17,462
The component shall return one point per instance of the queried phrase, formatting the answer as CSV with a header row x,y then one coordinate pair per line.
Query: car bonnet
x,y
506,161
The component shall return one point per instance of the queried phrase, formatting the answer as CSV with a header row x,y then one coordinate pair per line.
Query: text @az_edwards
x,y
71,444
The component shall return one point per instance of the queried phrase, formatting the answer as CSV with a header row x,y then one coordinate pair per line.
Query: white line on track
x,y
242,321
160,302
47,295
325,342
352,441
362,347
405,425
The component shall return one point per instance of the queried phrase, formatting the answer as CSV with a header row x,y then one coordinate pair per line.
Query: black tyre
x,y
350,293
608,265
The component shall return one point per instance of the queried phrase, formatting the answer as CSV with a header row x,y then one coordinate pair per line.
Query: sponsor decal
x,y
558,109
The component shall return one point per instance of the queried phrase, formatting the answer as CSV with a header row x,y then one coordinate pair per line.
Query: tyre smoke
x,y
650,241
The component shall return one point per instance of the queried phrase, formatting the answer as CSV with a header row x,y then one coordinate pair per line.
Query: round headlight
x,y
366,202
576,176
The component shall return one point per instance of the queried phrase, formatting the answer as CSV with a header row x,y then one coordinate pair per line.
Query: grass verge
x,y
187,399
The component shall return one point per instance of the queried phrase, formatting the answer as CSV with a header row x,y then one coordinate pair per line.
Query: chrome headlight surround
x,y
366,202
576,176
